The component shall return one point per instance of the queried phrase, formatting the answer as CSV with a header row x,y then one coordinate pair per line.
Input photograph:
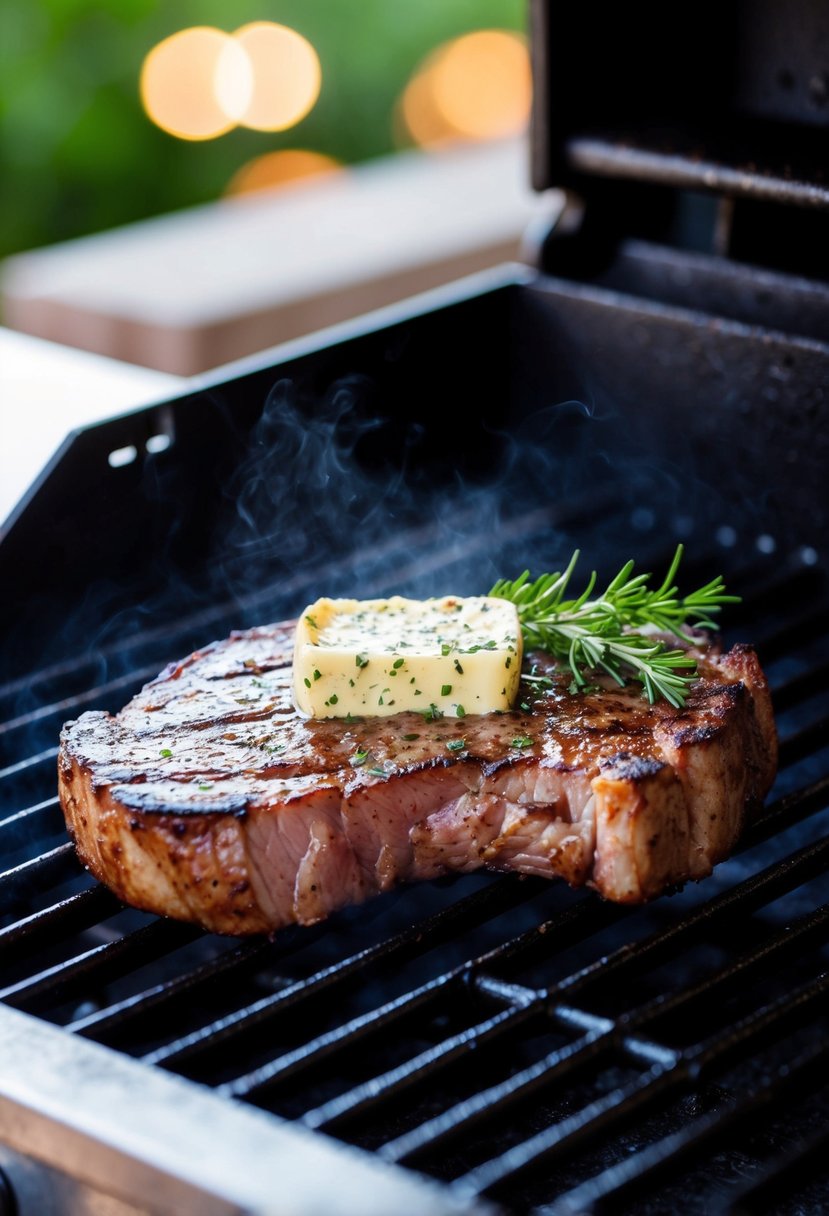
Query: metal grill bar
x,y
719,1047
345,1037
59,920
18,816
507,994
469,1113
48,869
100,695
764,588
644,1052
805,743
101,1024
579,920
658,1082
789,692
602,1035
663,1156
47,756
599,1118
25,823
83,668
748,895
786,812
100,964
808,930
490,901
417,1070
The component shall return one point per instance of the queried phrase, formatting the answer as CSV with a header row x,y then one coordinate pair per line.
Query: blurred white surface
x,y
190,291
47,390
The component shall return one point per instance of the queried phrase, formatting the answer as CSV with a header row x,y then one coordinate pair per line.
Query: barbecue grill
x,y
481,1043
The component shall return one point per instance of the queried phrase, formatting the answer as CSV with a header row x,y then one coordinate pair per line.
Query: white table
x,y
47,390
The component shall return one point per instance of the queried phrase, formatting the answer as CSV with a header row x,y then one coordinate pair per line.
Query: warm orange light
x,y
418,112
284,168
196,83
286,75
482,84
476,87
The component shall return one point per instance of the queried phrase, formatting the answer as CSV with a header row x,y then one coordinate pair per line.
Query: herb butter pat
x,y
440,657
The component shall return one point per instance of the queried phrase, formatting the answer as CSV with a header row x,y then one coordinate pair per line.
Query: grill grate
x,y
513,1038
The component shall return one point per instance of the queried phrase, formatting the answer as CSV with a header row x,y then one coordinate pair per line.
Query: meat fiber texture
x,y
208,798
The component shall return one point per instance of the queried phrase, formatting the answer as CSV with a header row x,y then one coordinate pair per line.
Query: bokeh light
x,y
482,84
476,87
196,83
283,168
418,118
202,82
286,75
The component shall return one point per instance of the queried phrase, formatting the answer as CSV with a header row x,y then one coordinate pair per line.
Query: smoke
x,y
300,486
333,496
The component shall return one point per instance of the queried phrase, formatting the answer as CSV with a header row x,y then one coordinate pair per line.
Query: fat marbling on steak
x,y
210,799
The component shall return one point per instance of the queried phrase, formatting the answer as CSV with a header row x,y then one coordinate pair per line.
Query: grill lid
x,y
702,129
731,98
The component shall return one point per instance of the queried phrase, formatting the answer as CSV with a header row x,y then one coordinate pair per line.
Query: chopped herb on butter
x,y
421,640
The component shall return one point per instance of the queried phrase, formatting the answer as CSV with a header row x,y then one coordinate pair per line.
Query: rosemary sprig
x,y
604,633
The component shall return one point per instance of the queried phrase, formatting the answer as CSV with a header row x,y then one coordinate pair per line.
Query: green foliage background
x,y
77,153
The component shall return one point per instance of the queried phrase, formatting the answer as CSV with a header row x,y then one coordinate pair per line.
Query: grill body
x,y
484,1043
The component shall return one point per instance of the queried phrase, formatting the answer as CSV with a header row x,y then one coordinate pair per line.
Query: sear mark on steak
x,y
208,798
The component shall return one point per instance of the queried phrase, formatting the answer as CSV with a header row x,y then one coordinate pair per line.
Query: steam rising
x,y
355,502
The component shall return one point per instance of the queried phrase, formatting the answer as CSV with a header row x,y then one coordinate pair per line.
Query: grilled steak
x,y
208,798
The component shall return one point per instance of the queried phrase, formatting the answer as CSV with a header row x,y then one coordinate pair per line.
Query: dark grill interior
x,y
517,1039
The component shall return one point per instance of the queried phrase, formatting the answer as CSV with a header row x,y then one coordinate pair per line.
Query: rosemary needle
x,y
603,633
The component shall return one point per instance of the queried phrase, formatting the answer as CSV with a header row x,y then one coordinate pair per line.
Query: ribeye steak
x,y
208,798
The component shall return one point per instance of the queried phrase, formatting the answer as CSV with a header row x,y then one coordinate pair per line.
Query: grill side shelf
x,y
141,1134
